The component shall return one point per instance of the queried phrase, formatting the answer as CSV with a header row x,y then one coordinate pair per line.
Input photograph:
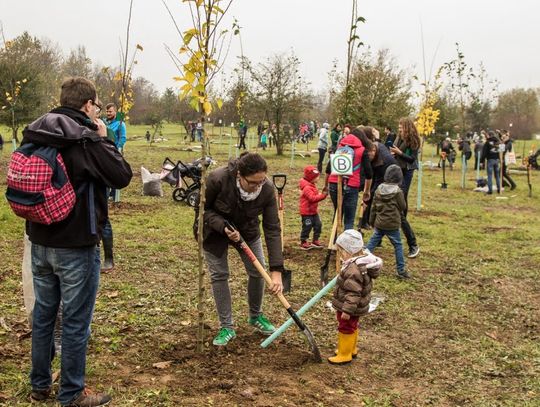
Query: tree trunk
x,y
200,257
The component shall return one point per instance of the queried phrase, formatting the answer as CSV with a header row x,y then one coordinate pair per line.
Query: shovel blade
x,y
312,344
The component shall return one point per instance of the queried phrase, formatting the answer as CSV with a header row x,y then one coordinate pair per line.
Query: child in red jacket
x,y
309,200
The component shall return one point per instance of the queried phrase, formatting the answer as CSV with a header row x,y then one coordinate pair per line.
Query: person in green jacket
x,y
387,209
335,136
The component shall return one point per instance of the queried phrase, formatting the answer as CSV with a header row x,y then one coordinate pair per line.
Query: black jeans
x,y
311,222
242,142
322,152
507,181
405,225
408,232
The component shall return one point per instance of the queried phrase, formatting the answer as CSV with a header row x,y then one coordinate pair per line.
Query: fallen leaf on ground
x,y
491,335
4,325
24,335
162,365
113,294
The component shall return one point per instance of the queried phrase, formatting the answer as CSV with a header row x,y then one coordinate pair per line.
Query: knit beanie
x,y
393,175
351,241
311,172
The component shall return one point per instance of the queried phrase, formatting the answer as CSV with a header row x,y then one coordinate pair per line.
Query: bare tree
x,y
278,89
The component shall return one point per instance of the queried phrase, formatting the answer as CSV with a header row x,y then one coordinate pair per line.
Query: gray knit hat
x,y
393,175
351,241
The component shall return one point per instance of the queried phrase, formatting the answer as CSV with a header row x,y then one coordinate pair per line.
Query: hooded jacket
x,y
383,159
92,163
351,140
353,286
223,202
323,138
490,150
387,207
309,198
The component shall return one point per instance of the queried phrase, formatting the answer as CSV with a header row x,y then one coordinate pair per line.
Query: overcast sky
x,y
503,34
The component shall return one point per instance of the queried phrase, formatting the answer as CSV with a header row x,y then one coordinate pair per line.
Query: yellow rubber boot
x,y
355,347
344,349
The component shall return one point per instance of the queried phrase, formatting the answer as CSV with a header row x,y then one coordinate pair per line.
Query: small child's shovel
x,y
305,330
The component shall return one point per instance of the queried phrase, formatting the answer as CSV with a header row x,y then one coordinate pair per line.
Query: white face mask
x,y
248,196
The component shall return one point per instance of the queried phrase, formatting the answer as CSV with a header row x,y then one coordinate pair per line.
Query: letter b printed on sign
x,y
341,164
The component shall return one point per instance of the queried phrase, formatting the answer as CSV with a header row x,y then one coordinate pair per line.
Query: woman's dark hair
x,y
251,163
368,130
409,133
360,135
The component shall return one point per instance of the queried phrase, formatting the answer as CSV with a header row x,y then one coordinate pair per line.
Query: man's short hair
x,y
109,105
76,91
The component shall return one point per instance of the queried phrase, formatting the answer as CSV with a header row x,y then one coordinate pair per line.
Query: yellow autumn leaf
x,y
207,107
219,103
190,77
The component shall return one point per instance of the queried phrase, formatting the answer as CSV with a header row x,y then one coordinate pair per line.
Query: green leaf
x,y
194,103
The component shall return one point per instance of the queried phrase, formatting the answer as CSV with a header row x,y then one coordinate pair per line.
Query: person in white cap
x,y
352,292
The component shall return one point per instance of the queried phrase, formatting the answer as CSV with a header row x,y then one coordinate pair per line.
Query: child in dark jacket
x,y
353,292
386,211
309,208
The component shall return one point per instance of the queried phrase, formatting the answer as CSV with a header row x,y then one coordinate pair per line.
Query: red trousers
x,y
347,326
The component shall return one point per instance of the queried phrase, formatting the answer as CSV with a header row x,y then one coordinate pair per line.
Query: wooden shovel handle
x,y
263,272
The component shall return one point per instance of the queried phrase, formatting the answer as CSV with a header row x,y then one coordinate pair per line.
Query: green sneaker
x,y
224,336
262,324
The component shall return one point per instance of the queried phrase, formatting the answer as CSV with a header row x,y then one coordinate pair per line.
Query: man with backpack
x,y
65,251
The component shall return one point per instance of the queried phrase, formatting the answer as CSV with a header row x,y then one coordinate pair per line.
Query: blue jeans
x,y
107,232
350,201
493,166
70,276
395,239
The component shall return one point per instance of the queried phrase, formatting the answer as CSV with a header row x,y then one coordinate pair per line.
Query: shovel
x,y
324,267
280,180
305,330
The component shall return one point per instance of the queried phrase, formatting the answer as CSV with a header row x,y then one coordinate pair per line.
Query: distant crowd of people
x,y
493,152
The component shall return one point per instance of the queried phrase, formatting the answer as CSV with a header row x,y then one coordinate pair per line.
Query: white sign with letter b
x,y
341,164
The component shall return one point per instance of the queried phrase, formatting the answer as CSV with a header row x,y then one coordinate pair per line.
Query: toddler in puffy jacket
x,y
309,208
352,293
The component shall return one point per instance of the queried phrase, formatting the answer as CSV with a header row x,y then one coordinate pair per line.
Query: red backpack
x,y
39,189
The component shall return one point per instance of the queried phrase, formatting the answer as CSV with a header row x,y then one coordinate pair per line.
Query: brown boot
x,y
87,399
40,395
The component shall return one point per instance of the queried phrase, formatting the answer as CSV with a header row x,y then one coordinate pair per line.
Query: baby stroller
x,y
184,178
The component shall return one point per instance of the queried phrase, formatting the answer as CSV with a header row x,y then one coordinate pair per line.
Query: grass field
x,y
464,331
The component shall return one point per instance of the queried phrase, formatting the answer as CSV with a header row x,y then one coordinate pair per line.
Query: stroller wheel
x,y
193,198
179,194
